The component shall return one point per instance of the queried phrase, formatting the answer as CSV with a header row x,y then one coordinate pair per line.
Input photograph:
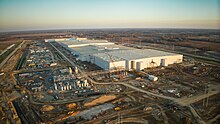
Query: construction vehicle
x,y
117,108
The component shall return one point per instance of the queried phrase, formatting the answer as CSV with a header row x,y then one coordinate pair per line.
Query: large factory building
x,y
108,55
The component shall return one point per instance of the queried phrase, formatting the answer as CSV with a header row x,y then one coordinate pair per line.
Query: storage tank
x,y
152,78
76,70
85,83
70,70
67,87
55,86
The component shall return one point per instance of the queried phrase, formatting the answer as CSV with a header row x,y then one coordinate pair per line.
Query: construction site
x,y
83,81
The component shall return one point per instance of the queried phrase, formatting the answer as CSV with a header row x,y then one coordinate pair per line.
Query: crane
x,y
152,63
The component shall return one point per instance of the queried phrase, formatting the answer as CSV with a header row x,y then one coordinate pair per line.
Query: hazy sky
x,y
70,14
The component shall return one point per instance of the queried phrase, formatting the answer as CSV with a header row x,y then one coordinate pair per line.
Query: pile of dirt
x,y
102,99
47,108
71,106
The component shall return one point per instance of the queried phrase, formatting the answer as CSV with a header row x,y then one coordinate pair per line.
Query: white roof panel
x,y
137,54
93,49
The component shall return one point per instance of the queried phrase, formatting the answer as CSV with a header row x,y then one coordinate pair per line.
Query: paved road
x,y
165,118
196,116
185,101
11,54
33,70
5,50
214,120
147,92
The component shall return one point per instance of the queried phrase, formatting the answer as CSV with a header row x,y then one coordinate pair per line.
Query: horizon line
x,y
29,30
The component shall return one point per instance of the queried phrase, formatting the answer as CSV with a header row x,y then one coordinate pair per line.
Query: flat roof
x,y
137,54
79,43
108,57
108,50
93,49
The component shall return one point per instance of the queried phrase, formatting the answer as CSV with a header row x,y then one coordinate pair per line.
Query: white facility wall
x,y
49,40
128,64
174,59
107,43
146,62
108,65
62,39
78,45
84,58
118,64
81,38
101,63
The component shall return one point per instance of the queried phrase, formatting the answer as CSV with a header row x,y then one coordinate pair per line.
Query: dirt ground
x,y
208,111
101,99
5,44
201,45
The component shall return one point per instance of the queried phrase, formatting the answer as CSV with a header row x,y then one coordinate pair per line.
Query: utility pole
x,y
207,100
203,104
119,117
